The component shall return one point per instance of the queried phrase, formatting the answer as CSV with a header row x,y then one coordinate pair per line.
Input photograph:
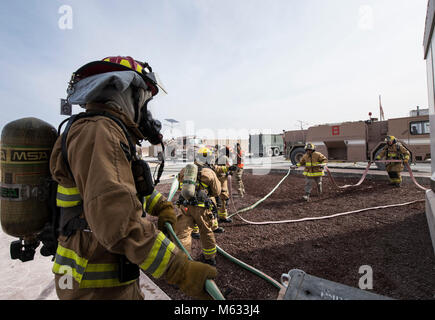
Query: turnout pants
x,y
394,172
238,175
224,196
128,292
203,218
309,181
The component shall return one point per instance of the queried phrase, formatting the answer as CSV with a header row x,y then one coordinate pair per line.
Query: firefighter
x,y
239,171
222,169
394,150
313,162
105,241
198,211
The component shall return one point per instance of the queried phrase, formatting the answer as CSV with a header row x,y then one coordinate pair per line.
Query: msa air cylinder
x,y
189,181
25,153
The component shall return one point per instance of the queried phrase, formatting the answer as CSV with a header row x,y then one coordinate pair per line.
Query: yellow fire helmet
x,y
390,139
310,146
204,155
204,152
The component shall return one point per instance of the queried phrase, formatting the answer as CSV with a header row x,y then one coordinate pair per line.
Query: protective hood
x,y
124,90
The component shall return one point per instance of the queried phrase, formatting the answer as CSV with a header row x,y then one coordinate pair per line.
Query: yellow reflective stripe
x,y
102,275
209,251
313,174
158,258
151,201
223,214
202,184
298,164
67,197
68,258
313,164
195,229
139,68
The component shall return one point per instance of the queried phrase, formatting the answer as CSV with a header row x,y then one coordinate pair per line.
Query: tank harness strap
x,y
69,199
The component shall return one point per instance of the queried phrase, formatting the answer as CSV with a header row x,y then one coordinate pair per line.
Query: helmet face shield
x,y
204,155
309,146
390,139
154,77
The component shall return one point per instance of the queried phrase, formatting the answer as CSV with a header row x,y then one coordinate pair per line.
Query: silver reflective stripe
x,y
65,197
69,262
159,257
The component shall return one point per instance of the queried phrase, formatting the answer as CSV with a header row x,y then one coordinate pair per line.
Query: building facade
x,y
429,56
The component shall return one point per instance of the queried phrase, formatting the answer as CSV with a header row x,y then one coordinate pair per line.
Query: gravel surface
x,y
394,242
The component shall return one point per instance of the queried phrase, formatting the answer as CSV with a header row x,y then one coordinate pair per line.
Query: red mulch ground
x,y
395,242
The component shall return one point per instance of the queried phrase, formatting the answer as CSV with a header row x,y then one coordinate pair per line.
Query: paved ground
x,y
264,165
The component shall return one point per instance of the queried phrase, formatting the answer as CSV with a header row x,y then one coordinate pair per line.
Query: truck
x,y
266,145
179,148
361,141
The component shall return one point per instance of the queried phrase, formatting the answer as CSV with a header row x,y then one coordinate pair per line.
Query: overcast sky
x,y
228,65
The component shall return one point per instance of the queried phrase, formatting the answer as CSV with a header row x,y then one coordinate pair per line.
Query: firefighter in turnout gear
x,y
314,162
105,241
198,209
222,169
239,171
394,150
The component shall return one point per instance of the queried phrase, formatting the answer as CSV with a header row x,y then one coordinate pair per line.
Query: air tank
x,y
189,181
26,146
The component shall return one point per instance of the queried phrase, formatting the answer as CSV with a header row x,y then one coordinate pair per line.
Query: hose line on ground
x,y
250,268
365,174
211,287
262,199
330,216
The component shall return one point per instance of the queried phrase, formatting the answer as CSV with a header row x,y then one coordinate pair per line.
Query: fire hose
x,y
330,216
365,174
210,285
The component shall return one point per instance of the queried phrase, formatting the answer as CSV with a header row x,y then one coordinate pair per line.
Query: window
x,y
421,127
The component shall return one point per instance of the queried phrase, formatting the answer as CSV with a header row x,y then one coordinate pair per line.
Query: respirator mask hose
x,y
150,129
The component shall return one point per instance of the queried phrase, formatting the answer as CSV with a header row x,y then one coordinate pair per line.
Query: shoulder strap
x,y
76,117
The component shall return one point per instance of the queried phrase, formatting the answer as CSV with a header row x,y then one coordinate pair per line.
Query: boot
x,y
306,197
195,235
219,230
225,220
211,261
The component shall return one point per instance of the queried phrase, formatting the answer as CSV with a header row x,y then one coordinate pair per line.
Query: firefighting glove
x,y
166,213
190,276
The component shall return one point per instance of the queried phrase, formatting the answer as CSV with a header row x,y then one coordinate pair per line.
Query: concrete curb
x,y
343,173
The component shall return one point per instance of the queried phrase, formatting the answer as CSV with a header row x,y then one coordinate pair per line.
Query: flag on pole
x,y
381,111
